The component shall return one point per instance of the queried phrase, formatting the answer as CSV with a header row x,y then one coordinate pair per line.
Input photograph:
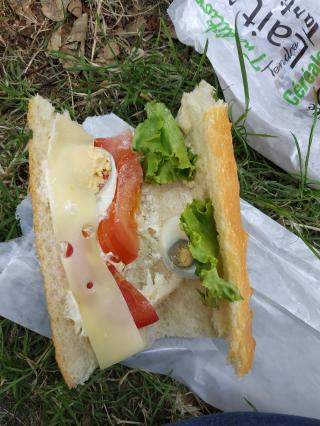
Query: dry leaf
x,y
108,53
78,33
55,41
54,9
134,26
59,37
70,40
185,405
75,7
172,32
2,41
68,61
137,53
152,23
22,8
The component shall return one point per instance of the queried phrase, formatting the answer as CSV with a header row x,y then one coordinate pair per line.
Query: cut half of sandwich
x,y
139,236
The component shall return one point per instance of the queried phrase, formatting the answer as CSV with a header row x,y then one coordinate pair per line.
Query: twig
x,y
31,60
2,41
96,29
144,12
300,225
12,415
71,91
97,92
39,68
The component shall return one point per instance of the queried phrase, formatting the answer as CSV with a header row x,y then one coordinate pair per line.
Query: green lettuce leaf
x,y
198,223
164,155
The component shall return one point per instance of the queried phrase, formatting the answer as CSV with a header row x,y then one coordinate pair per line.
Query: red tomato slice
x,y
140,308
117,233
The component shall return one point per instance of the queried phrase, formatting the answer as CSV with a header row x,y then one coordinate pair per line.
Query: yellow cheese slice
x,y
105,315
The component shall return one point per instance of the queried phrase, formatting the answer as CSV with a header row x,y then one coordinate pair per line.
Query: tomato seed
x,y
69,250
66,249
87,231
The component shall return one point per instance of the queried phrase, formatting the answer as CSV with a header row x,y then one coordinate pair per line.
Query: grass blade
x,y
171,44
243,72
300,160
202,59
313,126
261,135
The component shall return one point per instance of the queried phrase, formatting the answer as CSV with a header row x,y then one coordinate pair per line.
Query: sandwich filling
x,y
76,172
103,215
167,159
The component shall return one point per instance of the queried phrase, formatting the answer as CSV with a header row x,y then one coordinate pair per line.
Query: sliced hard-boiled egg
x,y
106,194
174,249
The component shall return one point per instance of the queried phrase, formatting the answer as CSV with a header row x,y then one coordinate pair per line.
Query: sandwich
x,y
139,235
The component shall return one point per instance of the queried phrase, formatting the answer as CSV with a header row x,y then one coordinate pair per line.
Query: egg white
x,y
105,196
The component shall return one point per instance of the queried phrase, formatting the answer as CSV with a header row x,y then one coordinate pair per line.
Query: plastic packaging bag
x,y
286,305
281,47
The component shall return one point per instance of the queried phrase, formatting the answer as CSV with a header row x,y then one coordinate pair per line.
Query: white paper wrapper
x,y
281,47
286,304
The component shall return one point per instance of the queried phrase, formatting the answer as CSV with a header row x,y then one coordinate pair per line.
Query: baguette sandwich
x,y
140,236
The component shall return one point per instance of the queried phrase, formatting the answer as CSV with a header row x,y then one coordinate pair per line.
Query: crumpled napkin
x,y
285,275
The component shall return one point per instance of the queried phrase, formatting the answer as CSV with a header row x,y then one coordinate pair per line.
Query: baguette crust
x,y
73,353
235,318
208,132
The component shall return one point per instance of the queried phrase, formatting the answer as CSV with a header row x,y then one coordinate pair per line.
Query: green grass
x,y
151,65
32,389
